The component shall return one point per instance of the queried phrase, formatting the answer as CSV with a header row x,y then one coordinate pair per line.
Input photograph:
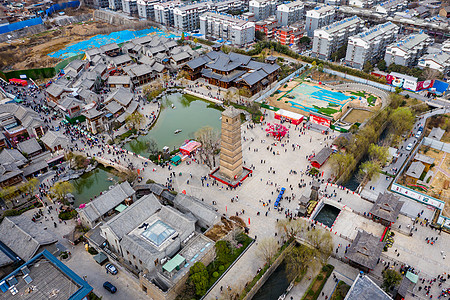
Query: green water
x,y
90,185
189,115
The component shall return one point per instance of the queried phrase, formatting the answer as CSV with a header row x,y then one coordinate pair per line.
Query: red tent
x,y
18,82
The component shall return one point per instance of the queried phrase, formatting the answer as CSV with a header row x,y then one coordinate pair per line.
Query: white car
x,y
409,147
418,134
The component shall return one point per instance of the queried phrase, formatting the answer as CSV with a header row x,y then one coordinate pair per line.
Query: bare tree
x,y
267,248
209,138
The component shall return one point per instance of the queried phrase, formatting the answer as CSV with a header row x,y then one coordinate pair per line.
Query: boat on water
x,y
177,131
173,106
110,179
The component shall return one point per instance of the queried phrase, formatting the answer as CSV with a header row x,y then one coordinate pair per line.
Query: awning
x,y
412,277
121,208
101,258
176,158
174,263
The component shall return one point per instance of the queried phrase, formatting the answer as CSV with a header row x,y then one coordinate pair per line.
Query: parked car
x,y
110,287
111,269
409,147
418,134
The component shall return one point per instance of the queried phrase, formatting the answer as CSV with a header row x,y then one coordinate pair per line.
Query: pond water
x,y
91,184
189,115
327,215
274,286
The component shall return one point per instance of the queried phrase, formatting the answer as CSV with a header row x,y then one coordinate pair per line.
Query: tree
x,y
379,154
430,74
267,248
209,138
313,65
245,92
382,65
368,170
195,41
230,96
135,120
298,260
401,120
367,68
30,186
304,40
152,147
259,35
61,189
322,241
391,279
320,67
200,277
340,162
339,53
182,36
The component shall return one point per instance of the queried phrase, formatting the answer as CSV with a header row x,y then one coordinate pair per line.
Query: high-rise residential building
x,y
370,45
146,9
237,30
262,9
226,6
330,38
130,7
362,3
96,4
187,17
268,26
319,17
115,4
290,13
407,51
436,61
290,36
164,12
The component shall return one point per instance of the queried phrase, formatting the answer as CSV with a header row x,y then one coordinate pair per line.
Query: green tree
x,y
382,65
368,170
379,154
135,120
61,189
152,147
230,96
339,53
367,68
182,36
245,92
305,40
195,41
320,67
200,277
391,279
259,35
401,120
340,162
313,65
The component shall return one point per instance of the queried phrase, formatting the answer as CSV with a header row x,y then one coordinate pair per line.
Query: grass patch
x,y
359,94
333,105
326,110
341,291
126,135
316,286
371,100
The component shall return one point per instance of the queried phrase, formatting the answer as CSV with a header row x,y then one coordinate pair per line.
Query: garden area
x,y
340,291
318,283
202,277
371,99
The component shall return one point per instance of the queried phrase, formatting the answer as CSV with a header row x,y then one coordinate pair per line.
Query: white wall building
x,y
146,9
439,62
319,17
391,6
187,17
370,45
407,51
237,30
164,12
290,13
262,9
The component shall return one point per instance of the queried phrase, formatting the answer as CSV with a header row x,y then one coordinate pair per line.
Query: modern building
x,y
290,13
262,9
361,3
407,51
391,6
130,7
226,6
319,17
370,45
290,36
115,4
146,9
44,277
96,4
164,12
230,28
268,26
187,17
330,38
439,62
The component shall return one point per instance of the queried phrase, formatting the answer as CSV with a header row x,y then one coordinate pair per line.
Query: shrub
x,y
221,268
67,215
64,255
311,292
215,274
150,181
92,251
407,96
319,277
11,213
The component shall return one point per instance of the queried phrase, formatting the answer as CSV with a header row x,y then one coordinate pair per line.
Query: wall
x,y
20,25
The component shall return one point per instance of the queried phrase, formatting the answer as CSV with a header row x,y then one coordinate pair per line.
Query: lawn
x,y
326,110
341,291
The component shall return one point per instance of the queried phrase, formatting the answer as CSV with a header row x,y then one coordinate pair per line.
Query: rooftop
x,y
410,41
415,169
387,207
365,250
376,31
363,288
436,133
339,25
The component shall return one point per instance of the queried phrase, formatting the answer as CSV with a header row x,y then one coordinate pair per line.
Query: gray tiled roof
x,y
363,288
415,169
122,80
109,200
323,155
113,107
436,133
202,211
29,146
54,138
423,158
122,96
387,207
134,215
23,236
34,167
365,250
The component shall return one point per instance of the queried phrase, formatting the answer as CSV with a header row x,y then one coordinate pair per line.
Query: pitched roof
x,y
56,90
12,156
122,95
113,107
34,167
415,169
122,80
363,288
387,207
54,138
202,211
322,156
423,158
107,201
180,56
29,146
365,250
121,59
436,133
23,236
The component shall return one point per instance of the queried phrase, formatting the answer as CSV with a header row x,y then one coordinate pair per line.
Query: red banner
x,y
424,85
319,120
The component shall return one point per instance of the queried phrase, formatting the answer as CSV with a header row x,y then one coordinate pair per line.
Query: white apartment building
x,y
237,30
130,7
187,17
407,51
438,61
226,6
370,45
164,12
362,3
262,9
146,9
319,17
290,13
330,38
391,6
115,4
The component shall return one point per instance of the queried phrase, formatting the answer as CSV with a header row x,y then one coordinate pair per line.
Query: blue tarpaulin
x,y
20,25
61,6
440,86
